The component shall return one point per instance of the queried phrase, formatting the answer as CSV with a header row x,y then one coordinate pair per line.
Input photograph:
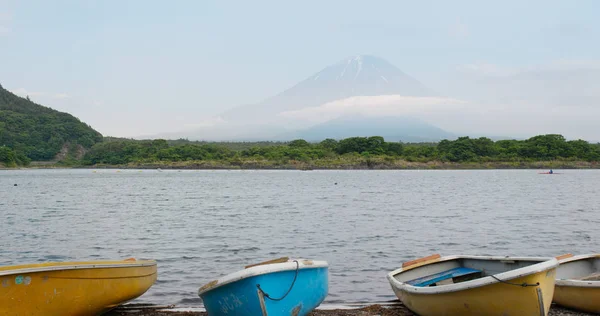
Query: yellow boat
x,y
578,282
73,288
476,285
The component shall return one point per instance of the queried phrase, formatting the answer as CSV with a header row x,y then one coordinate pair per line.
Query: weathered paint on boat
x,y
292,287
73,288
573,292
481,296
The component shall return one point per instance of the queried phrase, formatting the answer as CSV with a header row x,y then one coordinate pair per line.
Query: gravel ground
x,y
371,310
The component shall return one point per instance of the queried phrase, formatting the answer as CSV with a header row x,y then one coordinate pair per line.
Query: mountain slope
x,y
361,75
404,129
40,132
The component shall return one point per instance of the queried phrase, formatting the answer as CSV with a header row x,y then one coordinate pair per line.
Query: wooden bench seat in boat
x,y
455,275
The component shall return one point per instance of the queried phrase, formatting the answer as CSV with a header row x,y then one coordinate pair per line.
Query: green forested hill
x,y
29,131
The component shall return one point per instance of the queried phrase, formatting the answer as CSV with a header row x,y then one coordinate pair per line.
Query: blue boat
x,y
272,288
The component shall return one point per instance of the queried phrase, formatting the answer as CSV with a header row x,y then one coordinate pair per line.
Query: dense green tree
x,y
329,144
417,151
353,144
299,143
484,147
509,149
545,147
7,156
462,149
583,150
372,145
394,148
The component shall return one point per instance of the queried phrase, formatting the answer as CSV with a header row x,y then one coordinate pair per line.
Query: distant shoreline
x,y
373,164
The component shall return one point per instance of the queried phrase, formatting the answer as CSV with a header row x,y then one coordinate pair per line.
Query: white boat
x,y
578,282
476,285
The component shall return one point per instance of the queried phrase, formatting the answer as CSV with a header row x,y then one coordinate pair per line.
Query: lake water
x,y
200,225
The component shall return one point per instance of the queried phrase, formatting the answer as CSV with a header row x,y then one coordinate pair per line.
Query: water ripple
x,y
200,225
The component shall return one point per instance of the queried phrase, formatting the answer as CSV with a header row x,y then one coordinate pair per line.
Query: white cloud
x,y
383,105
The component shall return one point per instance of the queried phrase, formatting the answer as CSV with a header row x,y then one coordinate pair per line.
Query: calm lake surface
x,y
200,225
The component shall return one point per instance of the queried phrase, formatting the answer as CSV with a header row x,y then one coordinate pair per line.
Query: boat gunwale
x,y
79,266
261,270
544,264
575,282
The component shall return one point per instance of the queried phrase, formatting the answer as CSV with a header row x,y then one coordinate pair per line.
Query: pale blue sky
x,y
124,66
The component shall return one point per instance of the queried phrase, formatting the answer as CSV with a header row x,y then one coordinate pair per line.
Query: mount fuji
x,y
363,77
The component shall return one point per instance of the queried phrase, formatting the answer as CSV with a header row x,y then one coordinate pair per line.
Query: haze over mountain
x,y
361,75
406,129
370,90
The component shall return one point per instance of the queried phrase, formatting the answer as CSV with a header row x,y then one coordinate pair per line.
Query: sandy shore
x,y
396,309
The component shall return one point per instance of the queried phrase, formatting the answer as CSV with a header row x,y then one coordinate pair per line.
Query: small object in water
x,y
15,185
335,183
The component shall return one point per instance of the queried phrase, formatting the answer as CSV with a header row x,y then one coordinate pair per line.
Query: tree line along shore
x,y
550,151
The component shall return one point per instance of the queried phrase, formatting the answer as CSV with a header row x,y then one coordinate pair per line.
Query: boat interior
x,y
458,270
586,269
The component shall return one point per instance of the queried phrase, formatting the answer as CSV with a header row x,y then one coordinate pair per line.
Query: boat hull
x,y
476,285
586,299
572,289
84,288
495,299
243,297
